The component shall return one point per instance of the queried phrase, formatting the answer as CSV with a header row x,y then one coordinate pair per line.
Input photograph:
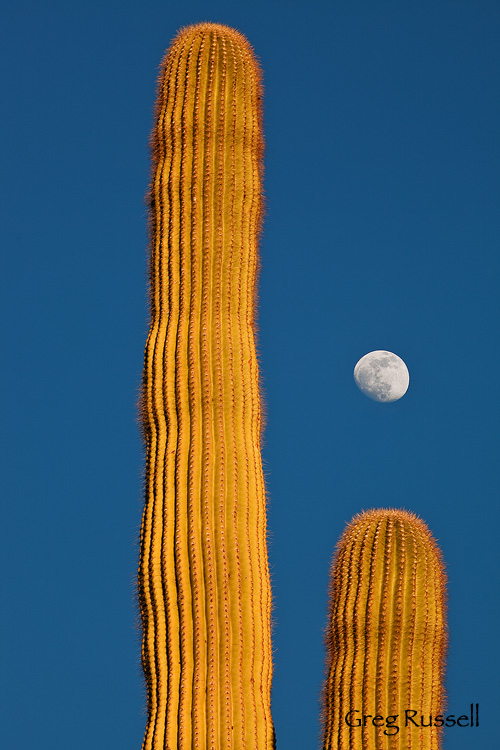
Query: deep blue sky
x,y
382,124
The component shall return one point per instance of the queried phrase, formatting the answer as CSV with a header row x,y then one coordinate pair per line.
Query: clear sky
x,y
382,124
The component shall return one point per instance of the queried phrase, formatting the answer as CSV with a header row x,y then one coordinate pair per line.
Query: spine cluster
x,y
386,634
204,586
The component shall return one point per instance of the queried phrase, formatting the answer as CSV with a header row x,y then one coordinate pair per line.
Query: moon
x,y
382,376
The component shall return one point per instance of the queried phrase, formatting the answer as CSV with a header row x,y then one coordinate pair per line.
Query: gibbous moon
x,y
382,376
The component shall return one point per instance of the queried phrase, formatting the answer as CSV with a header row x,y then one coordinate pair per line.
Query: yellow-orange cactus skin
x,y
204,586
386,634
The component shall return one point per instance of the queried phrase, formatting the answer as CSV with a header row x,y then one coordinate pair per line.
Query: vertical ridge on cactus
x,y
386,633
204,586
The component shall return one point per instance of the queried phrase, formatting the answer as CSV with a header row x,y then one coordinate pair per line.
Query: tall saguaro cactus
x,y
386,636
204,587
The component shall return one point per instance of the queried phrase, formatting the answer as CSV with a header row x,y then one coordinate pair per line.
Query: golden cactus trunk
x,y
204,586
386,636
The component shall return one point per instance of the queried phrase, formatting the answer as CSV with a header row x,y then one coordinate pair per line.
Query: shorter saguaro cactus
x,y
386,636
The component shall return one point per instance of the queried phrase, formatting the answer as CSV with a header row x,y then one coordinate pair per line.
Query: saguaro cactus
x,y
204,587
386,636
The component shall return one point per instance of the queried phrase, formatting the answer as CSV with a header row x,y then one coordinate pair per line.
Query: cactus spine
x,y
204,587
386,633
